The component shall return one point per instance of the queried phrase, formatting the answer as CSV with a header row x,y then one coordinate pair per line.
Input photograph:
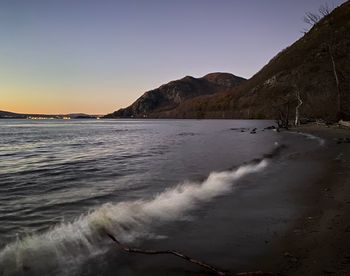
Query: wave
x,y
320,140
62,249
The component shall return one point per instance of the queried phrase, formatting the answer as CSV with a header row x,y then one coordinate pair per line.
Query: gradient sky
x,y
63,56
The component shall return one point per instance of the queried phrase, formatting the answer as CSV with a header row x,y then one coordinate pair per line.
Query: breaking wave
x,y
63,248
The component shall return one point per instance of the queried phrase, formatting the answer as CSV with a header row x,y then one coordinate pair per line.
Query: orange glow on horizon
x,y
57,110
38,101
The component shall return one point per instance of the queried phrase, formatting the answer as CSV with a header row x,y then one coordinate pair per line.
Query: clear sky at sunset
x,y
97,56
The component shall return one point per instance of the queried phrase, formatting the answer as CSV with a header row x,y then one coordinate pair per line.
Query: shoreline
x,y
297,228
319,242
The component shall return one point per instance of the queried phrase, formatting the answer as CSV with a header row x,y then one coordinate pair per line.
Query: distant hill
x,y
7,114
80,116
305,66
157,102
12,115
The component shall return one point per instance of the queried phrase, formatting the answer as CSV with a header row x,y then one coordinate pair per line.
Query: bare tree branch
x,y
187,258
325,9
311,18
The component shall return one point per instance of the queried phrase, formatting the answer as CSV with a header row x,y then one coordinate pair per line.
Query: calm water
x,y
63,184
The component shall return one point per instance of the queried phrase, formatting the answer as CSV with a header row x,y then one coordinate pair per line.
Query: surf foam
x,y
63,248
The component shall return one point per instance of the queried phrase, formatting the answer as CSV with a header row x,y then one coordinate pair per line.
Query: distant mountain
x,y
7,114
157,102
306,67
80,116
12,115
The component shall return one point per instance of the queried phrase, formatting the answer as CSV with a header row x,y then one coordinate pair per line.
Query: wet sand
x,y
319,242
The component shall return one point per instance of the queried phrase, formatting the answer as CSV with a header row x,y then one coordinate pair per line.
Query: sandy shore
x,y
319,243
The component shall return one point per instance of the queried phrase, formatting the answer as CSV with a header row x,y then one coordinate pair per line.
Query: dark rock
x,y
342,140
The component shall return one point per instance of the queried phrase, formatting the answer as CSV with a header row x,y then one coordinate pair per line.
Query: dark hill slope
x,y
7,114
305,66
167,97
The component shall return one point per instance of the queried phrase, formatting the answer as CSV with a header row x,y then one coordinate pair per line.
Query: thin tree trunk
x,y
336,79
297,120
286,122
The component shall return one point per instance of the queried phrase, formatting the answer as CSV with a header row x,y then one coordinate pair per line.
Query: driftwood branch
x,y
187,258
171,252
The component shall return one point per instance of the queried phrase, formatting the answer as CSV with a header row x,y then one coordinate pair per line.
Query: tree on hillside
x,y
297,108
312,19
281,107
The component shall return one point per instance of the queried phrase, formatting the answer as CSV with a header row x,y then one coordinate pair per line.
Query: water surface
x,y
64,182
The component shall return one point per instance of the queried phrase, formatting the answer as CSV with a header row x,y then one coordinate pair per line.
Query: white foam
x,y
66,246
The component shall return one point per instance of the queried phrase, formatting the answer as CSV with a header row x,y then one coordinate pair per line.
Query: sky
x,y
95,56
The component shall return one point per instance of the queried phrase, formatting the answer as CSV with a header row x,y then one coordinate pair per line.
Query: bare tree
x,y
339,107
281,108
300,103
325,10
312,19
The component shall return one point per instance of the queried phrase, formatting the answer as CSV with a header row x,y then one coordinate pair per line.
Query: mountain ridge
x,y
304,66
174,93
